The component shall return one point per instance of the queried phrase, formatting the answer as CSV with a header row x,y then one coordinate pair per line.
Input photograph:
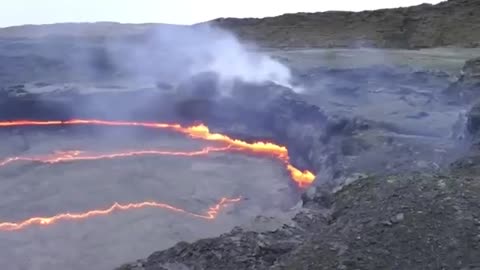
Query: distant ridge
x,y
97,29
450,23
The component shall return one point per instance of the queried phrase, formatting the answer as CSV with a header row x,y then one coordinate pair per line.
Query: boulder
x,y
473,122
467,87
471,70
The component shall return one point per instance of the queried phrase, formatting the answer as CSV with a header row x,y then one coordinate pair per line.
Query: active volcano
x,y
278,143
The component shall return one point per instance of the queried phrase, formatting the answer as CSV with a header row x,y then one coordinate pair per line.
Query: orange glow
x,y
210,214
302,178
75,155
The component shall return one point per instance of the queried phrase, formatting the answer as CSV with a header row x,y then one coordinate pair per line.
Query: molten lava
x,y
302,178
76,155
211,213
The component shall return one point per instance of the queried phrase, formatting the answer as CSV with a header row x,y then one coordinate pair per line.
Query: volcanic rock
x,y
368,207
471,161
449,23
453,22
473,123
373,224
472,69
347,220
467,87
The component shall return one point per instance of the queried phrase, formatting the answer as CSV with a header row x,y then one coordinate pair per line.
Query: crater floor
x,y
31,189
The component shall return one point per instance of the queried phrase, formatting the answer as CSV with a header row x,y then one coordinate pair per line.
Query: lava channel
x,y
210,214
301,178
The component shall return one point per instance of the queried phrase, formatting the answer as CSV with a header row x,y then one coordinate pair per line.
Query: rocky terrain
x,y
466,88
389,218
392,136
381,140
418,221
449,23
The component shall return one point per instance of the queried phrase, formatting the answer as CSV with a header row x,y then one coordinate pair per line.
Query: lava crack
x,y
77,155
301,178
210,214
202,132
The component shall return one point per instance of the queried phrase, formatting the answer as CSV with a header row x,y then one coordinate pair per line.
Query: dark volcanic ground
x,y
414,209
380,138
192,183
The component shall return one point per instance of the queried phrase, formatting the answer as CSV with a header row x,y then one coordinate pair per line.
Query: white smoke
x,y
177,52
231,60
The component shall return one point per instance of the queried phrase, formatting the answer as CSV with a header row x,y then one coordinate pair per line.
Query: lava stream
x,y
302,178
75,155
210,214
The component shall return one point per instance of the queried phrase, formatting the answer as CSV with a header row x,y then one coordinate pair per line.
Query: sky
x,y
19,12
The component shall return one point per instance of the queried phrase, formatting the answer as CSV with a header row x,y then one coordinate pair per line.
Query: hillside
x,y
451,23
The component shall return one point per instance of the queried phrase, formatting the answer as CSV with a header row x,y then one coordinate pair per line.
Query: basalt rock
x,y
467,87
470,75
453,22
417,221
331,146
348,219
473,123
471,161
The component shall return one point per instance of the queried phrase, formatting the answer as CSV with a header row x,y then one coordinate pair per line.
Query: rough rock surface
x,y
417,222
394,219
414,221
333,138
467,87
450,23
473,123
355,123
472,70
470,163
454,22
336,144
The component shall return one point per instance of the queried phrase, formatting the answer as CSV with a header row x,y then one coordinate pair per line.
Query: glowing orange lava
x,y
302,178
76,155
211,213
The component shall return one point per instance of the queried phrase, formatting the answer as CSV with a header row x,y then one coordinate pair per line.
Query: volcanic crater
x,y
113,149
175,179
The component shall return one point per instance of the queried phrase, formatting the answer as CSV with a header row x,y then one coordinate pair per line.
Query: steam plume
x,y
177,52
